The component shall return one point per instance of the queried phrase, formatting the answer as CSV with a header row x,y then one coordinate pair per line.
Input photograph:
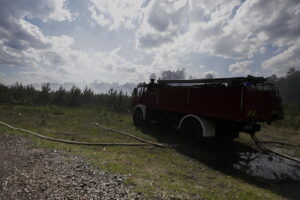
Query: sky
x,y
125,41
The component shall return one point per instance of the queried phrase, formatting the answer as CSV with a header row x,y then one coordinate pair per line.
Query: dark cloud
x,y
8,57
17,34
158,17
229,29
278,20
21,39
286,24
256,24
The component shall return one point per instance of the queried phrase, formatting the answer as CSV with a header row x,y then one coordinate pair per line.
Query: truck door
x,y
144,95
151,96
138,95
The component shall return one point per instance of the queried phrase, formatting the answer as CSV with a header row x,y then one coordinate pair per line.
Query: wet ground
x,y
268,166
245,158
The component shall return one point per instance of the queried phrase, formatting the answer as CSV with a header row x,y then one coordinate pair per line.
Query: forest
x,y
18,94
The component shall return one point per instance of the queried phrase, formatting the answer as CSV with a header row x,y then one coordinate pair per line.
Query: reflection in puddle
x,y
268,166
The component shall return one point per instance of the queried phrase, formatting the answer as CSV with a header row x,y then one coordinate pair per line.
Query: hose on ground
x,y
280,143
135,137
77,142
266,149
144,142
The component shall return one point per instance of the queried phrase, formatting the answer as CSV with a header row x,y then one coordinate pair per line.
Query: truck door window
x,y
145,91
139,91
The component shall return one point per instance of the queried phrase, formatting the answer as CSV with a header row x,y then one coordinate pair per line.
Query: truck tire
x,y
192,131
138,119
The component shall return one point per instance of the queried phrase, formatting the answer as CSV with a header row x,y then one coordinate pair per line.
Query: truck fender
x,y
207,125
143,109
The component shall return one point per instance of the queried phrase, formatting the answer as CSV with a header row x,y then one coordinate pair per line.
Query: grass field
x,y
185,172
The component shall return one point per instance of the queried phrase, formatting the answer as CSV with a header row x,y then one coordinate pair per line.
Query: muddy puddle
x,y
268,166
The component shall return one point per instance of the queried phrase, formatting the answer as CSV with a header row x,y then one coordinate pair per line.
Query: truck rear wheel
x,y
192,131
138,117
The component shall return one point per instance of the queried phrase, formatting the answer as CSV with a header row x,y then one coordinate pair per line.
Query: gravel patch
x,y
28,173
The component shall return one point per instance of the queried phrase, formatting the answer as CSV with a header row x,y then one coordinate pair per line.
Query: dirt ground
x,y
30,173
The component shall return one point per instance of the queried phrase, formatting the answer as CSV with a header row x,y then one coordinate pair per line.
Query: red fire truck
x,y
208,107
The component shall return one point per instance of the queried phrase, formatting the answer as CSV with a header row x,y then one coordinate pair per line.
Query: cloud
x,y
256,24
247,27
280,63
44,10
60,13
182,32
162,23
241,68
229,29
115,14
79,66
168,21
52,58
22,43
169,35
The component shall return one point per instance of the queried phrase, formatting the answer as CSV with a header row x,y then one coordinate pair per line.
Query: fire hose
x,y
144,142
258,143
262,147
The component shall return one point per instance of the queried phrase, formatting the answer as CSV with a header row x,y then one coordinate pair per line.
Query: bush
x,y
291,118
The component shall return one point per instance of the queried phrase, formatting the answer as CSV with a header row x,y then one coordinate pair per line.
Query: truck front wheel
x,y
138,117
192,131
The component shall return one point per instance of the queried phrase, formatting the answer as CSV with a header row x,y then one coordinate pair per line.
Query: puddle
x,y
268,166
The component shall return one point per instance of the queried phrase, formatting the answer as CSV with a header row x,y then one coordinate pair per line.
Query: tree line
x,y
28,95
289,90
288,86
